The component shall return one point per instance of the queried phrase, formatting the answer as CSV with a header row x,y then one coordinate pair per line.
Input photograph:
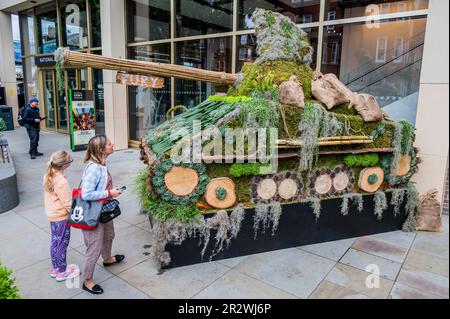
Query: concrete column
x,y
432,113
113,44
7,64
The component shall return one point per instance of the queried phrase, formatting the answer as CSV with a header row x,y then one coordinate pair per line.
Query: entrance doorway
x,y
56,103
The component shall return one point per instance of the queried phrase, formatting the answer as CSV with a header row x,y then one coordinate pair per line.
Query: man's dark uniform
x,y
30,114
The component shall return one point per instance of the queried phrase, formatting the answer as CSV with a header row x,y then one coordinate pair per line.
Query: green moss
x,y
255,74
362,160
344,109
229,99
248,169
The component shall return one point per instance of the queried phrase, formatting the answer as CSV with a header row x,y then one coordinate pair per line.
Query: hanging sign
x,y
82,118
153,82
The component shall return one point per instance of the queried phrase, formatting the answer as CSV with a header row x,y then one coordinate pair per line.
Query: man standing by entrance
x,y
32,121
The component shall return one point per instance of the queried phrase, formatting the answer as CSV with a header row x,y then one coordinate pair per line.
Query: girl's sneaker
x,y
71,272
53,273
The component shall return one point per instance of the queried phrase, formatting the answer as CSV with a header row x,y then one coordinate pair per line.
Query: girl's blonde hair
x,y
95,150
56,162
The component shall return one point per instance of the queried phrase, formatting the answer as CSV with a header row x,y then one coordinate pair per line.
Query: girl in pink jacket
x,y
58,200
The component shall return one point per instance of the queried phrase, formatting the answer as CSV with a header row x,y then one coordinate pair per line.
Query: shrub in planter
x,y
7,288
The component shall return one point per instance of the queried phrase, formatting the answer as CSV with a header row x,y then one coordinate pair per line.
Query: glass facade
x,y
337,9
47,28
193,17
147,107
379,57
148,20
297,11
75,24
207,54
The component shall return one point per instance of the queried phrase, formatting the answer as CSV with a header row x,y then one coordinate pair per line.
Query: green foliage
x,y
408,136
248,169
381,129
164,211
7,288
161,189
270,18
229,99
262,112
221,193
362,160
258,77
2,125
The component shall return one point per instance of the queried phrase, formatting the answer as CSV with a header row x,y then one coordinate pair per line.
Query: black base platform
x,y
297,227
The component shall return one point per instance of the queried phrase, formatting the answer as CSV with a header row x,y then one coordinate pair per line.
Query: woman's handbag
x,y
84,214
110,211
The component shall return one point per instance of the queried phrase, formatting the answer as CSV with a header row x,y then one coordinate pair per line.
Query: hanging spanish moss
x,y
331,126
175,232
397,145
236,218
344,206
380,204
412,203
266,213
398,196
59,58
316,206
309,127
358,198
221,223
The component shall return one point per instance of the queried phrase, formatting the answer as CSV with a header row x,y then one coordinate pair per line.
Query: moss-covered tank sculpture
x,y
329,143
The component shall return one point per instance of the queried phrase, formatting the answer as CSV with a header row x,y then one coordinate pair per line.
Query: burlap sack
x,y
367,107
329,90
291,93
428,215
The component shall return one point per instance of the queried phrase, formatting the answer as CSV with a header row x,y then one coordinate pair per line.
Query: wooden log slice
x,y
371,179
267,189
323,184
211,194
341,181
181,181
287,189
404,166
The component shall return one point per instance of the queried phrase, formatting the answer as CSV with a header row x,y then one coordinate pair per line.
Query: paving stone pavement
x,y
410,265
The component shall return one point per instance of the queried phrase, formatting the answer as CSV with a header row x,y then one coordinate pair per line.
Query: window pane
x,y
96,28
384,61
298,10
206,54
148,20
246,48
195,17
26,22
148,107
74,24
47,28
337,9
30,79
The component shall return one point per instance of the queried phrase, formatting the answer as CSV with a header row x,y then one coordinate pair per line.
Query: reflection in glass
x,y
194,17
206,54
27,29
297,11
96,28
246,48
337,9
47,28
148,20
384,62
74,24
49,98
148,106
